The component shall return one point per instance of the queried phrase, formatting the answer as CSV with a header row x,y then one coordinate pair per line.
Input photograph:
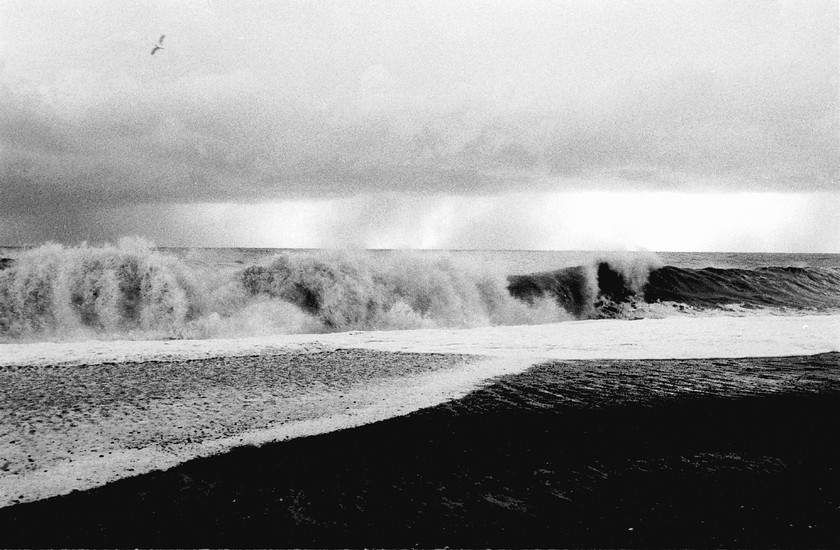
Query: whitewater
x,y
133,291
119,360
668,338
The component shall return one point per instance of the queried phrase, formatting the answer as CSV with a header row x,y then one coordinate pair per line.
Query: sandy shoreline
x,y
98,427
603,453
78,415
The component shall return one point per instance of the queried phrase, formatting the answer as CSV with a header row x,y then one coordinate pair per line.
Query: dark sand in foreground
x,y
698,453
75,427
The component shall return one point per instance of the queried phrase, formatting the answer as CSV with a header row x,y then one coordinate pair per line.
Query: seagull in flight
x,y
159,45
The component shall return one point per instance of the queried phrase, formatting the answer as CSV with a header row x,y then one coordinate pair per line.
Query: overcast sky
x,y
681,125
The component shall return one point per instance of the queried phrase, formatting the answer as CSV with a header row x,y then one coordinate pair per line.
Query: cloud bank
x,y
307,101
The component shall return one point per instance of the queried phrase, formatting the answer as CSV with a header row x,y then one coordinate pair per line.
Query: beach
x,y
736,453
462,424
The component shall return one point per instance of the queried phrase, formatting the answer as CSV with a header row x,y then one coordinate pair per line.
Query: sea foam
x,y
134,291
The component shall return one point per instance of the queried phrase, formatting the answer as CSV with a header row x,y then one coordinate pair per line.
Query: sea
x,y
134,290
233,397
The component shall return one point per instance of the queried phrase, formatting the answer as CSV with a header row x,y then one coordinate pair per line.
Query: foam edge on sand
x,y
380,400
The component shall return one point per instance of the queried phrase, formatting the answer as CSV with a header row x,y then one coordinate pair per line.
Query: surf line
x,y
364,404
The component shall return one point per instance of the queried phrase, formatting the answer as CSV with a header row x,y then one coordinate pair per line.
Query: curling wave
x,y
133,290
610,289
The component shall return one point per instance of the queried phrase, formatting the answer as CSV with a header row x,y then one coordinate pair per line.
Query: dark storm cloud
x,y
450,99
693,131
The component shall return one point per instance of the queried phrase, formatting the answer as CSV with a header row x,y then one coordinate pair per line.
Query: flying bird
x,y
159,45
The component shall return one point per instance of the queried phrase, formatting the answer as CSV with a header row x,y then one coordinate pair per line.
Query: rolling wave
x,y
609,290
132,290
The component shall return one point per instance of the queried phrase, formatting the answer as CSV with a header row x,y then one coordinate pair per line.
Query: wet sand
x,y
75,427
642,453
76,415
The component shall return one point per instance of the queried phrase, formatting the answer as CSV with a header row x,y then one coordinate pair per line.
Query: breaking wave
x,y
134,291
642,288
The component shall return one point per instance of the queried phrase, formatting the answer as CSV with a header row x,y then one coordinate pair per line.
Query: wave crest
x,y
53,290
347,292
641,287
134,291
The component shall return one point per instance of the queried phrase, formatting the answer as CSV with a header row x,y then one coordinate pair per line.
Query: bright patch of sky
x,y
750,222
